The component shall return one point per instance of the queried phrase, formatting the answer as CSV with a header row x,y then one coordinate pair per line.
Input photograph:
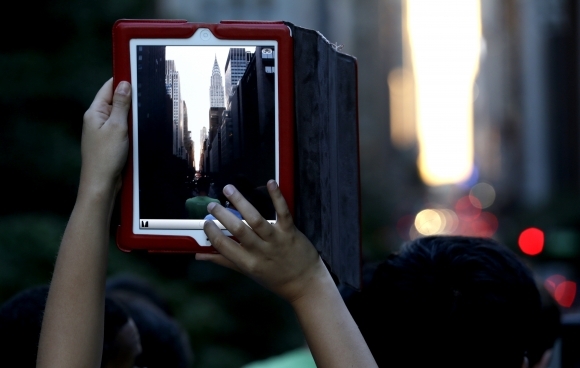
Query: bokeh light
x,y
466,210
413,233
531,241
565,293
429,222
485,225
562,290
445,49
552,282
451,221
482,195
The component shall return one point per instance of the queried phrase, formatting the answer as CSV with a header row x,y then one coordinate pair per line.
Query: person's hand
x,y
277,256
105,142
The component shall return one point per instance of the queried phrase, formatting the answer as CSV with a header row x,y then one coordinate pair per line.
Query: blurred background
x,y
468,118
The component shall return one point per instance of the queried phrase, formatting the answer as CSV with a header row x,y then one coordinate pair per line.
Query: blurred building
x,y
335,19
526,108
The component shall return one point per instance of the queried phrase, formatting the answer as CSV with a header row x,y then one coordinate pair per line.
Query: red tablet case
x,y
123,32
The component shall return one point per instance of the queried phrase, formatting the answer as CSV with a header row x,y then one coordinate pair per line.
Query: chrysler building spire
x,y
216,89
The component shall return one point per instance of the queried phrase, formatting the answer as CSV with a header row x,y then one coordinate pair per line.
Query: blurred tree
x,y
55,55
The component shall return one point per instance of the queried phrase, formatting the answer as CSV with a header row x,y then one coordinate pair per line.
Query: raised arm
x,y
282,259
72,328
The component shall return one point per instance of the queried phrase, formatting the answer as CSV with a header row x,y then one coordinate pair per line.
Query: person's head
x,y
21,321
121,340
203,184
164,342
448,301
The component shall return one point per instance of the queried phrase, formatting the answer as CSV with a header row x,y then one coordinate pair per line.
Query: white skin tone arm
x,y
282,259
72,328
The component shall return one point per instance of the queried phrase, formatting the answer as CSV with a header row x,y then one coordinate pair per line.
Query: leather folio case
x,y
327,186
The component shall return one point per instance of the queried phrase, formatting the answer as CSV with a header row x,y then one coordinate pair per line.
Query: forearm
x,y
72,330
332,335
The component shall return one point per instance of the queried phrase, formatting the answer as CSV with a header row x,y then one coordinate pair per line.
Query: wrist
x,y
99,191
319,286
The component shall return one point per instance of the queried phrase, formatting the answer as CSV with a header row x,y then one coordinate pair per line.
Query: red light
x,y
465,209
531,241
552,283
565,293
485,225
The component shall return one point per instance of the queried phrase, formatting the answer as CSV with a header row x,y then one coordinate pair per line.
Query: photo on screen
x,y
205,117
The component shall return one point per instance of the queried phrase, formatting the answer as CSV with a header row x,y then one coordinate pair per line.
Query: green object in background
x,y
28,247
562,243
299,358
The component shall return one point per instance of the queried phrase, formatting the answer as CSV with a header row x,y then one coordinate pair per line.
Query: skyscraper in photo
x,y
181,139
216,89
236,64
202,135
174,91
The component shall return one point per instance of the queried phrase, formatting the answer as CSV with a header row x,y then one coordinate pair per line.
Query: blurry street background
x,y
469,124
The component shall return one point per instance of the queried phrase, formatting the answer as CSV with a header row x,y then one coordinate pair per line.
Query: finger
x,y
217,259
105,94
235,226
224,245
284,218
100,108
121,104
260,226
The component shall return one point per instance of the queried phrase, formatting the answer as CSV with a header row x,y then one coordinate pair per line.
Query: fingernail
x,y
210,206
123,88
272,184
229,190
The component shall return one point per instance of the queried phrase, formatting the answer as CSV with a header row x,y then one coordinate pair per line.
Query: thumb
x,y
121,103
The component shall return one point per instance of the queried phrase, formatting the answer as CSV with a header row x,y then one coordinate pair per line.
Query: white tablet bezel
x,y
180,227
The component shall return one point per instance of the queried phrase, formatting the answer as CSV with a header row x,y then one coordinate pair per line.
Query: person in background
x,y
21,320
197,206
449,301
164,342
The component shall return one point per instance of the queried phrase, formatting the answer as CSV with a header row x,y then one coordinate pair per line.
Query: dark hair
x,y
21,321
203,184
134,286
450,301
115,318
164,342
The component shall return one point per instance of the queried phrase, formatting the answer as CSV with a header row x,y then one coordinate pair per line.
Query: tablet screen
x,y
203,116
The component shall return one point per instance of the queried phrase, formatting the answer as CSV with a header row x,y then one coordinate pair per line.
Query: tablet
x,y
211,105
